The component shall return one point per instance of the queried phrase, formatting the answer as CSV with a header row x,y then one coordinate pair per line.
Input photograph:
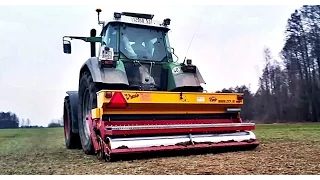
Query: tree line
x,y
9,120
289,87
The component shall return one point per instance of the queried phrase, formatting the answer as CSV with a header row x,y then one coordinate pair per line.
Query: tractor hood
x,y
163,76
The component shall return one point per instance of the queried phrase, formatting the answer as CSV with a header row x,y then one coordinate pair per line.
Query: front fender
x,y
105,75
188,79
73,97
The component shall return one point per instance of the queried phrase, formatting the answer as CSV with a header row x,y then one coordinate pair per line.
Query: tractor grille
x,y
159,74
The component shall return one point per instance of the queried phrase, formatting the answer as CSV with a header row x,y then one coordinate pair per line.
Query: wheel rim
x,y
86,110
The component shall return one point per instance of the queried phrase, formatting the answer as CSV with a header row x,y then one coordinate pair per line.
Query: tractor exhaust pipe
x,y
93,33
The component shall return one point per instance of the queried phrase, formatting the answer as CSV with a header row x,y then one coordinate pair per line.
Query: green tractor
x,y
134,53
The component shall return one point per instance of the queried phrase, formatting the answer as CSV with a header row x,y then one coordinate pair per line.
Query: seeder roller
x,y
126,122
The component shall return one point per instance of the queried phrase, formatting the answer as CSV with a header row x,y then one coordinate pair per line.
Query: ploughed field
x,y
284,149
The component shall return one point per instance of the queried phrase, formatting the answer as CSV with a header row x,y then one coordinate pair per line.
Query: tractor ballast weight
x,y
134,98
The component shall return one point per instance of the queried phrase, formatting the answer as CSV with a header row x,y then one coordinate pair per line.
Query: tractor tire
x,y
72,140
87,102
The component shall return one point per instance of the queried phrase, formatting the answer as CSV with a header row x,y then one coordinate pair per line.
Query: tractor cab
x,y
134,53
137,37
141,44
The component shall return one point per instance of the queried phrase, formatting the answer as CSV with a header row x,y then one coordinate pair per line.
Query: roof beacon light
x,y
98,10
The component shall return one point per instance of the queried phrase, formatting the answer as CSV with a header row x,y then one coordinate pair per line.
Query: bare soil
x,y
47,155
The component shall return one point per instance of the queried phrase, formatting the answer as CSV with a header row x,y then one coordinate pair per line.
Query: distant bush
x,y
52,125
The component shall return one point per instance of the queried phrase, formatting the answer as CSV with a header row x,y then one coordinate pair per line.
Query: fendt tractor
x,y
134,98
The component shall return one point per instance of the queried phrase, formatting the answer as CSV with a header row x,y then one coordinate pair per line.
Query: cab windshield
x,y
142,43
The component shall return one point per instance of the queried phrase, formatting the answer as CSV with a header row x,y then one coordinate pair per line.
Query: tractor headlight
x,y
166,22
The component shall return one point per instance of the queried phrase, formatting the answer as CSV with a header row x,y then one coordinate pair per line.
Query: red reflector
x,y
108,94
107,62
117,101
240,97
190,67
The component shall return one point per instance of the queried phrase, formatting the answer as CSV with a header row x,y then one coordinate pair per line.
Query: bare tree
x,y
28,122
22,123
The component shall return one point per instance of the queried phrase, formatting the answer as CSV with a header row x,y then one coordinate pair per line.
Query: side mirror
x,y
67,47
172,50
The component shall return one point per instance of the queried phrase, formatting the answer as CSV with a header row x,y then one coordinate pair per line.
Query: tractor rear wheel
x,y
72,140
87,102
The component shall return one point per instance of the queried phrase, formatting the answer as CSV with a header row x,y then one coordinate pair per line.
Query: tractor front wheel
x,y
72,140
87,102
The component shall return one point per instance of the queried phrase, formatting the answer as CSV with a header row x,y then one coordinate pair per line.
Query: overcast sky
x,y
35,74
